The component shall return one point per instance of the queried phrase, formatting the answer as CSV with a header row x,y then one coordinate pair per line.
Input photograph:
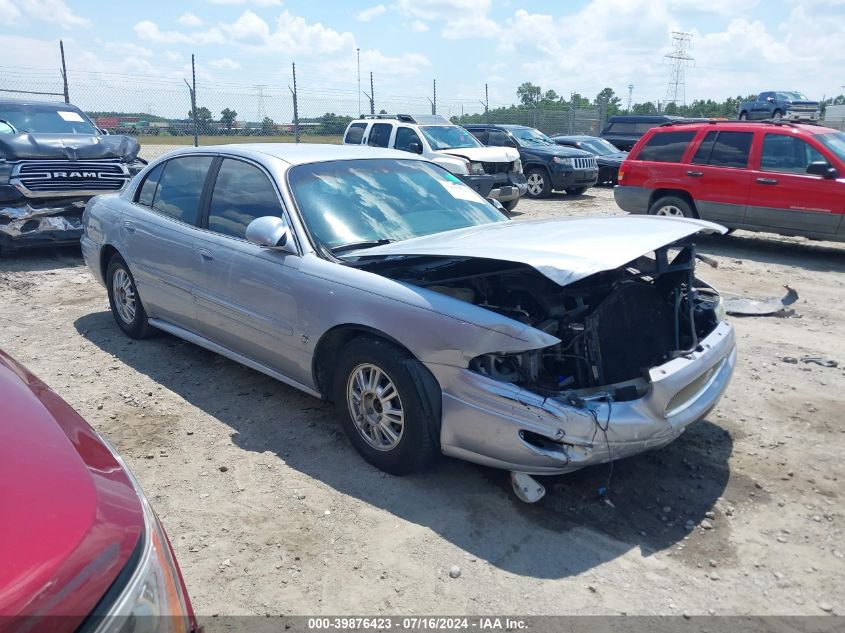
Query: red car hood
x,y
70,518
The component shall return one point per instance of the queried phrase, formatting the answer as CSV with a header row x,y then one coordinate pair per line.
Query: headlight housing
x,y
476,168
562,160
517,166
154,599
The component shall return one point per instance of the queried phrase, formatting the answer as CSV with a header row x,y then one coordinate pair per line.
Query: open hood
x,y
562,250
484,154
37,146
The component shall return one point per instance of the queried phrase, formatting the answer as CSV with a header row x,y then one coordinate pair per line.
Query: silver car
x,y
377,280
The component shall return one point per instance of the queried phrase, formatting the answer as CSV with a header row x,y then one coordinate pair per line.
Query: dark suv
x,y
547,165
626,129
53,159
782,178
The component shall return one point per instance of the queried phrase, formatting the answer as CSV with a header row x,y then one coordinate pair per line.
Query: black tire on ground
x,y
416,446
538,180
510,205
743,116
671,206
575,191
137,327
777,115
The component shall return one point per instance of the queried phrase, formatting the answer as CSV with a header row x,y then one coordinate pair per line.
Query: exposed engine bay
x,y
613,326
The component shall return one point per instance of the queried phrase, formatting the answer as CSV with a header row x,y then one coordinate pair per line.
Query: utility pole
x,y
434,103
679,58
192,89
486,104
64,71
295,105
372,95
359,79
630,94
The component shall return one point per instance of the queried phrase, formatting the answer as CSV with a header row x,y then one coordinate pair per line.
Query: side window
x,y
666,147
498,138
642,128
380,135
180,187
355,133
242,193
724,149
404,137
622,128
787,154
147,191
764,96
481,135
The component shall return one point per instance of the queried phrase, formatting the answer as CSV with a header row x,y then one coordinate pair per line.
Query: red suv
x,y
778,177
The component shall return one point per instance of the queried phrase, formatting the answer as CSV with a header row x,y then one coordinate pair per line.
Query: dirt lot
x,y
271,511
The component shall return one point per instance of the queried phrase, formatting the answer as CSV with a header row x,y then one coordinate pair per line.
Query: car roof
x,y
58,105
575,137
642,118
301,153
744,126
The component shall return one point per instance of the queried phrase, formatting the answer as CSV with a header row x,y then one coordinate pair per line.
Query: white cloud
x,y
371,13
418,26
224,64
54,11
258,3
189,19
461,18
150,31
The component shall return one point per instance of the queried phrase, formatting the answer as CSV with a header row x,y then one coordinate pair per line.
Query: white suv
x,y
495,172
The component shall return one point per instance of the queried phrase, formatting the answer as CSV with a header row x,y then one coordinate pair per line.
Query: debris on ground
x,y
772,306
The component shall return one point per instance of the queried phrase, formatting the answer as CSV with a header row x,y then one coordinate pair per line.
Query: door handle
x,y
205,255
129,226
696,174
767,181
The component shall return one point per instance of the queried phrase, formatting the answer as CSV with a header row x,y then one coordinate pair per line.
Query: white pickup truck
x,y
494,172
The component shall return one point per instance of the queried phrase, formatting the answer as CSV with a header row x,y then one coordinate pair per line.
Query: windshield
x,y
448,137
792,96
348,202
527,137
46,119
599,146
835,142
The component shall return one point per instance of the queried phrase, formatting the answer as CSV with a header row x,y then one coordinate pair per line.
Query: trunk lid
x,y
562,250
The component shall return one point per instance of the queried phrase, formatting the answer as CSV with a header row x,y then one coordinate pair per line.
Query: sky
x,y
142,50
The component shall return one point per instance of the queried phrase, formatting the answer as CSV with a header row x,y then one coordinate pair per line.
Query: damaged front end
x,y
40,222
643,351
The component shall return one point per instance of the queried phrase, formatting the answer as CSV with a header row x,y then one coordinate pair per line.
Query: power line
x,y
679,58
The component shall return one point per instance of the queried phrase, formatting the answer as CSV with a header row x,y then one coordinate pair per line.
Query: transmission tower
x,y
262,110
630,94
679,58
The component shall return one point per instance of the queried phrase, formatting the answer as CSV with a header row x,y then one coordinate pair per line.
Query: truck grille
x,y
497,168
585,163
63,177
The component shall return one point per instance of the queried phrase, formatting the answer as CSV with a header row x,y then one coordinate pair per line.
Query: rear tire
x,y
575,191
538,183
124,300
383,411
671,206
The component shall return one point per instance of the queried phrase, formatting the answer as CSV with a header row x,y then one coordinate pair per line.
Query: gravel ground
x,y
271,511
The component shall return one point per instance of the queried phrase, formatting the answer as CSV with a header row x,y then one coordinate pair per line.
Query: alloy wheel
x,y
375,407
670,210
124,296
535,184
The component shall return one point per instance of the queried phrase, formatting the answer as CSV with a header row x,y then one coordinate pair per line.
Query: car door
x,y
761,106
407,140
718,176
158,237
784,197
246,294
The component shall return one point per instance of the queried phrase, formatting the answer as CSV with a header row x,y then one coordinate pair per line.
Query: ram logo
x,y
71,175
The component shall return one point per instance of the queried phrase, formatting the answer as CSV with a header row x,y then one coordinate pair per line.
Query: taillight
x,y
621,177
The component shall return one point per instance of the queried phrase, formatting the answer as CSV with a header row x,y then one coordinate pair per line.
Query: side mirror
x,y
770,99
821,168
271,232
415,147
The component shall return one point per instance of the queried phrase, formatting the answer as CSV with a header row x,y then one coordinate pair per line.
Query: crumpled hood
x,y
484,154
562,250
67,146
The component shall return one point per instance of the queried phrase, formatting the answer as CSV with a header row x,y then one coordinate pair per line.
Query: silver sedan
x,y
379,281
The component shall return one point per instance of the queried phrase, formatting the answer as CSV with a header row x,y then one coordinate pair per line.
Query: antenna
x,y
679,58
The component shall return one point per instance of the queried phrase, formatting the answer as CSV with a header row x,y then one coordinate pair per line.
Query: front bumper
x,y
26,223
509,187
567,177
496,424
482,184
795,115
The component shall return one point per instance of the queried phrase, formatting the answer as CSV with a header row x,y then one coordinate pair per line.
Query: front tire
x,y
510,205
777,116
673,207
538,183
575,191
743,116
383,411
125,303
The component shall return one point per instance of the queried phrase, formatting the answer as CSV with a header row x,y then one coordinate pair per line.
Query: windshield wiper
x,y
354,246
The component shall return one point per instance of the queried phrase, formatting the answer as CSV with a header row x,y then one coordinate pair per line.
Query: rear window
x,y
666,147
355,133
724,149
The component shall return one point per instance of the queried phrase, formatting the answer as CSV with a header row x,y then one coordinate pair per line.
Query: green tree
x,y
227,118
608,99
267,126
529,94
205,121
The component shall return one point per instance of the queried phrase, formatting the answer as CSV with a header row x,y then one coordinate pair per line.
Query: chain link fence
x,y
159,111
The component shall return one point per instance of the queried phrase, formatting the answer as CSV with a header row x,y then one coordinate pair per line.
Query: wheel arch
x,y
678,193
106,253
536,165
